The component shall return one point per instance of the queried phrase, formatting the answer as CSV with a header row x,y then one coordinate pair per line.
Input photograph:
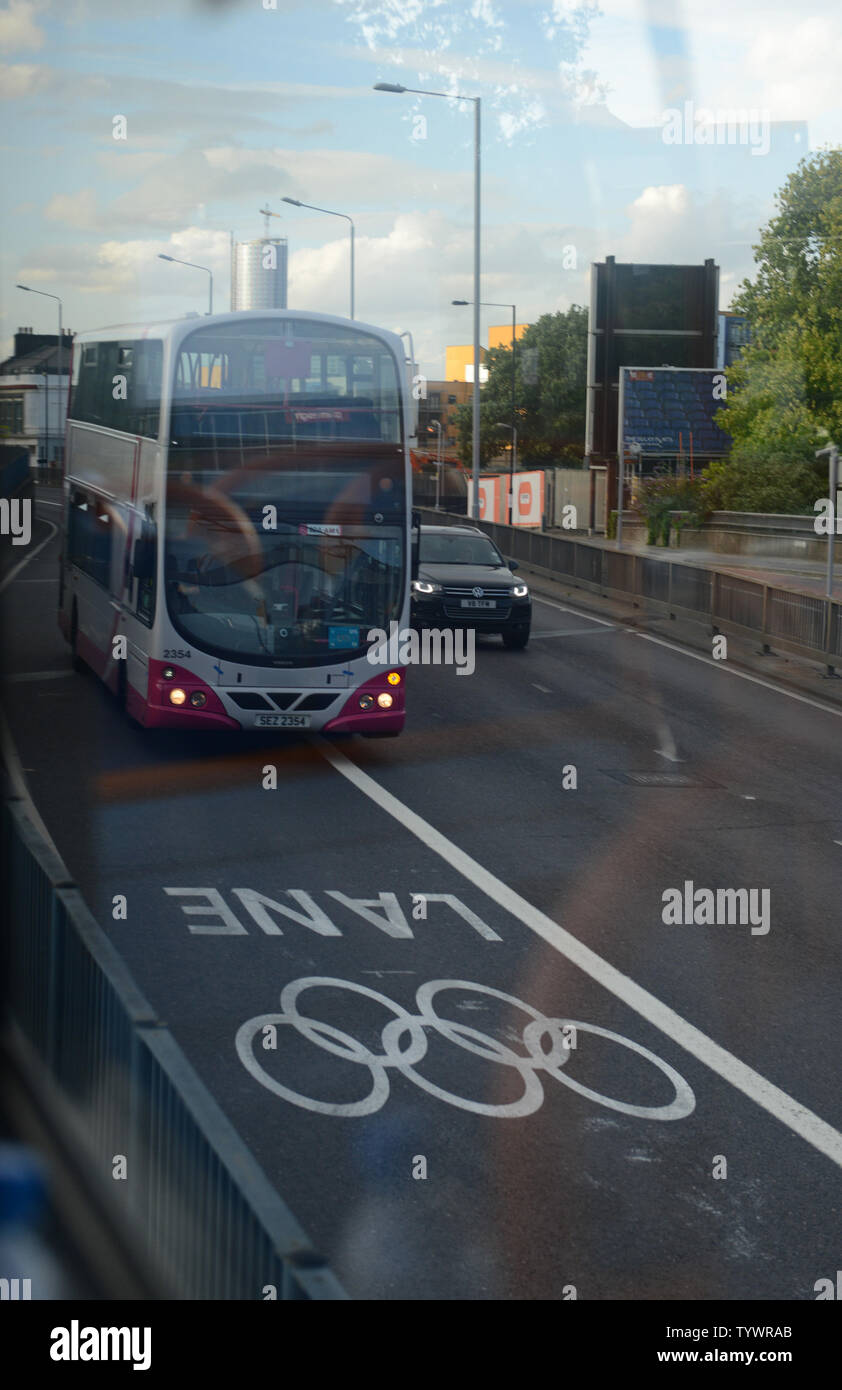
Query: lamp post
x,y
453,96
492,304
330,213
832,452
501,425
193,266
60,359
437,425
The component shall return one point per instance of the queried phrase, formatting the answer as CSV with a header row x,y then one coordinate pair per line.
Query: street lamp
x,y
501,425
454,96
296,204
437,425
46,295
193,266
492,304
832,452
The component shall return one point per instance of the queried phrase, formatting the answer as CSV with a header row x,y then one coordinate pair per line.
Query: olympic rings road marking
x,y
403,1059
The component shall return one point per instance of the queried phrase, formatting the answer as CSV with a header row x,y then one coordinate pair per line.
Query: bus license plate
x,y
282,721
478,603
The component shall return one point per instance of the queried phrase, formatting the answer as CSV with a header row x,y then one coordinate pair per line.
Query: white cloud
x,y
18,80
18,28
667,223
75,209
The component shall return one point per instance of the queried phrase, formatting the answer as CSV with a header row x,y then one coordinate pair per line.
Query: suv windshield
x,y
458,549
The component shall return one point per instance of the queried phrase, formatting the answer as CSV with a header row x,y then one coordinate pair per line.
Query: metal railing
x,y
210,1217
794,621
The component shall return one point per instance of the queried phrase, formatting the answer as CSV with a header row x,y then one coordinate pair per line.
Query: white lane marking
x,y
743,675
403,1060
573,632
10,752
18,781
37,676
707,660
803,1122
31,556
668,748
562,608
543,688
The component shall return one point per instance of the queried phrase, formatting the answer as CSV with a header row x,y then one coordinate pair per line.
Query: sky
x,y
591,146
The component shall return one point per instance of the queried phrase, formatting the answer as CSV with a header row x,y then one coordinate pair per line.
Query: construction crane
x,y
266,213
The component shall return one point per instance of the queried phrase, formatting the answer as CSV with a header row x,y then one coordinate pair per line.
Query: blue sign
x,y
343,637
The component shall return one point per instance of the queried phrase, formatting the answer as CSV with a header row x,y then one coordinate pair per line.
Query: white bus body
x,y
237,511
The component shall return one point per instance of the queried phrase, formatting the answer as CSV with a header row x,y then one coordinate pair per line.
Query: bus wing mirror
x,y
143,564
416,543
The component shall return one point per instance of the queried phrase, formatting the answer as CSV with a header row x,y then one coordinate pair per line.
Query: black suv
x,y
463,581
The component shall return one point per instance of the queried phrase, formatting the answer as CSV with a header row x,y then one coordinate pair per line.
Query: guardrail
x,y
211,1219
793,621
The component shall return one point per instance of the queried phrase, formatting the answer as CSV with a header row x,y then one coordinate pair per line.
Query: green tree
x,y
550,382
786,388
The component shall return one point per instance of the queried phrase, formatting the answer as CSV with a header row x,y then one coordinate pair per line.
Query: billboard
x,y
671,412
528,507
651,315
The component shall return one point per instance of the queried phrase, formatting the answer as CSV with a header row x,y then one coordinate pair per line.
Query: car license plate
x,y
478,603
282,721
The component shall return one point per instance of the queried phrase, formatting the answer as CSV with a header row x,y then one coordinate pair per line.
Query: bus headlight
x,y
366,701
168,673
198,698
177,695
385,700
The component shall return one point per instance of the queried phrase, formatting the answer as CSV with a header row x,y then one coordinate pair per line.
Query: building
x,y
259,274
459,359
33,395
441,404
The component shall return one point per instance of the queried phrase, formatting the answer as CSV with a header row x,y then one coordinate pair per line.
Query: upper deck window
x,y
272,380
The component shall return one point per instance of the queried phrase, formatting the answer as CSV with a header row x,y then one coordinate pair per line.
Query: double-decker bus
x,y
237,509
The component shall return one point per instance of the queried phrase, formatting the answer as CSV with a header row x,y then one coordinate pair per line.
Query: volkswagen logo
x,y
477,593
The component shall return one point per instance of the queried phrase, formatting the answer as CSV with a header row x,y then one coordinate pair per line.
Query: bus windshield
x,y
303,593
264,381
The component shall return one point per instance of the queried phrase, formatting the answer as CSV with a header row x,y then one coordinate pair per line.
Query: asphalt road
x,y
456,854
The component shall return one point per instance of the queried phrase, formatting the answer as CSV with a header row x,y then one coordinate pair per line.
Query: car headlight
x,y
520,591
421,586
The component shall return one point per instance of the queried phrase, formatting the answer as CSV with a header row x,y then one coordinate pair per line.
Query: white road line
x,y
10,752
562,608
743,675
31,556
698,656
543,688
574,632
18,781
808,1126
23,676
